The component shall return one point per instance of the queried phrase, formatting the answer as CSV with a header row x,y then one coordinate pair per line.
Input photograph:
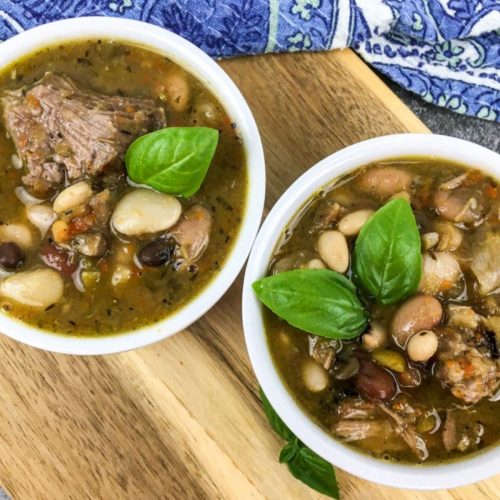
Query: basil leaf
x,y
387,260
318,301
314,471
302,462
172,160
289,450
274,419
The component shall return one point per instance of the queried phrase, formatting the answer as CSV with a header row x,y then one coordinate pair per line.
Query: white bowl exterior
x,y
421,477
216,80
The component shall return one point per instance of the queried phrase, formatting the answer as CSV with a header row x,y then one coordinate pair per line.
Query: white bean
x,y
332,248
375,338
177,87
315,377
429,240
39,288
41,216
315,264
450,237
422,346
402,194
121,274
17,233
351,224
72,196
144,211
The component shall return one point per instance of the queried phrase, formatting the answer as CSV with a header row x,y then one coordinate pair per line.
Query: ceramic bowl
x,y
433,476
217,81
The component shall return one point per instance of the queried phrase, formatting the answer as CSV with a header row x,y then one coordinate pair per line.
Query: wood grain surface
x,y
181,419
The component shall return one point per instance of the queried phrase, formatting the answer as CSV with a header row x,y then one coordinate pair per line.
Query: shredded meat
x,y
355,430
450,436
462,317
485,263
356,409
470,373
192,233
327,214
60,129
323,350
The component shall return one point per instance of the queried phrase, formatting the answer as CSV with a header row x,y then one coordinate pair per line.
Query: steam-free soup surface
x,y
114,291
375,392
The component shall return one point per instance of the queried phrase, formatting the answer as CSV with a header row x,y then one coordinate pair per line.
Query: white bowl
x,y
215,79
469,470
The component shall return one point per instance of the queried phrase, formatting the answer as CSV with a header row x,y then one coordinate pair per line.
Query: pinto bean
x,y
39,288
422,312
383,182
461,205
333,250
351,224
59,259
375,383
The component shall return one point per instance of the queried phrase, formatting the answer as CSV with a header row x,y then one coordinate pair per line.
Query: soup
x,y
83,249
383,313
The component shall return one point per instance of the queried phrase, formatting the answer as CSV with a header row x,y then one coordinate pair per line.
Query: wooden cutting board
x,y
181,419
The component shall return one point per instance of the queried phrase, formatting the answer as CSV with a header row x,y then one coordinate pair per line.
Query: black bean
x,y
11,256
156,253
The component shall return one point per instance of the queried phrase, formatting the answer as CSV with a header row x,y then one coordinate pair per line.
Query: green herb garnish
x,y
318,301
172,160
387,260
303,463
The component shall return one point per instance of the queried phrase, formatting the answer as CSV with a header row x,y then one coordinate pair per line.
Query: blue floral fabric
x,y
447,51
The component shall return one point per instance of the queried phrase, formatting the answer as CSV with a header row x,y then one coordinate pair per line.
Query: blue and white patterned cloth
x,y
447,51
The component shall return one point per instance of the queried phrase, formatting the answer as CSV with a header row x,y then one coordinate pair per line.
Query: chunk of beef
x,y
60,129
470,373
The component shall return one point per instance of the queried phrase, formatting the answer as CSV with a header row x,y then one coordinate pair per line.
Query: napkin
x,y
446,51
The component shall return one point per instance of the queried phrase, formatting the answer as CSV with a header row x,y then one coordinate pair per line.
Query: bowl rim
x,y
220,84
407,476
